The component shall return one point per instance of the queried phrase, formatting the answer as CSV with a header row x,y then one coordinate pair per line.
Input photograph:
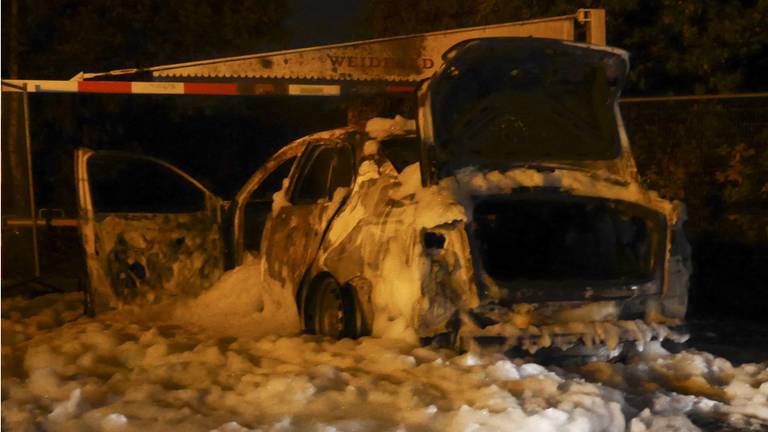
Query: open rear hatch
x,y
500,102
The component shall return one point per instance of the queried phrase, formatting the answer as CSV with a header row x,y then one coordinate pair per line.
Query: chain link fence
x,y
712,153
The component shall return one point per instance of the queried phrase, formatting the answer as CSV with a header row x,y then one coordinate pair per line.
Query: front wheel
x,y
332,311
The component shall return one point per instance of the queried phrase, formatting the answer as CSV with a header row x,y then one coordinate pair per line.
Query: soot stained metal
x,y
512,216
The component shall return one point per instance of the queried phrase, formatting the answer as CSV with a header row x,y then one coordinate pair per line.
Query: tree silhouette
x,y
55,39
676,46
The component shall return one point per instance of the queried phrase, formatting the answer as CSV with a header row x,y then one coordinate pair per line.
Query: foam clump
x,y
124,371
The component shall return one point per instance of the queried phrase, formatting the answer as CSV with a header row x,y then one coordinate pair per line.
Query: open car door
x,y
249,210
149,230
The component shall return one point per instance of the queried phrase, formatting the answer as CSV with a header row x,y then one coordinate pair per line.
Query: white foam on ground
x,y
121,373
244,302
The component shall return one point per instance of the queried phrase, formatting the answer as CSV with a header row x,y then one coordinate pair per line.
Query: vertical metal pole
x,y
594,20
31,183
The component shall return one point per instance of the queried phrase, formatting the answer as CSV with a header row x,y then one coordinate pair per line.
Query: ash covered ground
x,y
231,360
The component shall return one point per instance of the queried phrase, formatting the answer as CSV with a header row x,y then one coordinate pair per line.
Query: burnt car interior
x,y
554,241
401,151
259,205
324,169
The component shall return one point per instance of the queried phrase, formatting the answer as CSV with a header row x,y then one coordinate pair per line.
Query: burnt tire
x,y
332,310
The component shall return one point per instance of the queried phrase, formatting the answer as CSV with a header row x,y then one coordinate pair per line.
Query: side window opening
x,y
312,185
129,184
343,170
273,182
259,205
401,151
330,168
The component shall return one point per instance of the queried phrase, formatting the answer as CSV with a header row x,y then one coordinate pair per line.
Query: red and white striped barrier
x,y
201,88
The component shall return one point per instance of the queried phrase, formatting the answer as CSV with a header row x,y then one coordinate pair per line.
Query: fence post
x,y
30,181
594,20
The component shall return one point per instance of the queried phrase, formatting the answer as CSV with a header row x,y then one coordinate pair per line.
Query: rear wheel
x,y
332,310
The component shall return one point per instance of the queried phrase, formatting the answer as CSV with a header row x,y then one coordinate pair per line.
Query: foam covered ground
x,y
142,370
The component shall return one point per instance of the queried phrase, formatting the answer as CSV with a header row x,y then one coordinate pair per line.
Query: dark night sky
x,y
324,22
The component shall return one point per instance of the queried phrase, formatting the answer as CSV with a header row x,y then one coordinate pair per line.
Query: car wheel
x,y
333,311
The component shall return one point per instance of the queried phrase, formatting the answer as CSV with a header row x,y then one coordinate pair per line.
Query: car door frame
x,y
87,212
301,166
294,149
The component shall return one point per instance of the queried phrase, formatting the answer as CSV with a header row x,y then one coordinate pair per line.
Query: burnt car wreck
x,y
510,214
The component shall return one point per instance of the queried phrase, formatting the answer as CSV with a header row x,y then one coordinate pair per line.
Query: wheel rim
x,y
329,316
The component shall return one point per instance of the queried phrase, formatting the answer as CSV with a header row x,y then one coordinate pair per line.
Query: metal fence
x,y
711,152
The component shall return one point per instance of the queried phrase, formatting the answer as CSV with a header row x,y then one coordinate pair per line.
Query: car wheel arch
x,y
356,291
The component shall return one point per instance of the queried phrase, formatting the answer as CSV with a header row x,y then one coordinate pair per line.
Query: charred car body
x,y
512,215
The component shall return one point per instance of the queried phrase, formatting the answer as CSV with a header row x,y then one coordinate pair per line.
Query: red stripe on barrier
x,y
401,88
210,88
103,87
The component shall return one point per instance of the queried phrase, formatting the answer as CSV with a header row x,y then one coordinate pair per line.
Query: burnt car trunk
x,y
564,239
534,246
